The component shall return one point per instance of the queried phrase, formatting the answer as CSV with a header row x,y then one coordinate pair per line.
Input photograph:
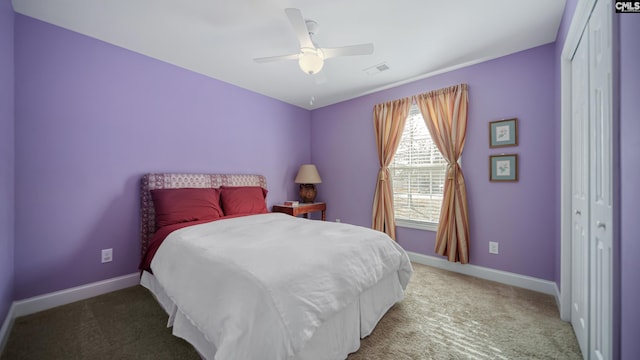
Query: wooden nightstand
x,y
302,209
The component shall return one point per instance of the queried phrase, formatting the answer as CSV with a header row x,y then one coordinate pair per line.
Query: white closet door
x,y
580,194
601,225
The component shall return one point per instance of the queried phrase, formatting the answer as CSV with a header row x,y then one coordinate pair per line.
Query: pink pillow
x,y
175,206
245,200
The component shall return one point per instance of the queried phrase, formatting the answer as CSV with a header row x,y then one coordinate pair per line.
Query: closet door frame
x,y
578,26
579,22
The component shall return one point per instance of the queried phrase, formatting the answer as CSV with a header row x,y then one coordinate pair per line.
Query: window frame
x,y
410,223
417,224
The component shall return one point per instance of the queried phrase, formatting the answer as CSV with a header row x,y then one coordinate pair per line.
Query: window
x,y
418,171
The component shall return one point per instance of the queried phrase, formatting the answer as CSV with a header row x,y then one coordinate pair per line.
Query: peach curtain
x,y
445,113
388,122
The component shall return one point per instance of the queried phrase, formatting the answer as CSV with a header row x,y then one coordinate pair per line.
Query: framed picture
x,y
503,133
503,167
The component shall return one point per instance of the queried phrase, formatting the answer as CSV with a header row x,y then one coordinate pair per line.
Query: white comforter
x,y
259,286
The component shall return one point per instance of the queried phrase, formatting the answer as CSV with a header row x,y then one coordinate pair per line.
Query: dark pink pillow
x,y
243,200
175,206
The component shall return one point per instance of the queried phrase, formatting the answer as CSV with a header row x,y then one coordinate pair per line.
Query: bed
x,y
239,282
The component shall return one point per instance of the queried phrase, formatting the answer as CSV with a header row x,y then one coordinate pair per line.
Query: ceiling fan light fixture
x,y
311,60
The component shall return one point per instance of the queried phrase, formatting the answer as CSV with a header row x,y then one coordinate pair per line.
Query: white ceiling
x,y
220,38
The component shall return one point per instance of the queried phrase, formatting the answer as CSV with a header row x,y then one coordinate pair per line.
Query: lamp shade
x,y
311,60
308,174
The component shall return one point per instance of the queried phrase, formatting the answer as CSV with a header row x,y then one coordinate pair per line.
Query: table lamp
x,y
307,178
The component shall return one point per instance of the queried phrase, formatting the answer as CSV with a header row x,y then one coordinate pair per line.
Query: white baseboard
x,y
558,295
523,281
62,297
67,296
6,327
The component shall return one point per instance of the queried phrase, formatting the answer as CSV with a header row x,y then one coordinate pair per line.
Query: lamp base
x,y
308,193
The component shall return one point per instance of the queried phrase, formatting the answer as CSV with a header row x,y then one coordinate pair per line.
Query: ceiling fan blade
x,y
276,58
300,27
361,49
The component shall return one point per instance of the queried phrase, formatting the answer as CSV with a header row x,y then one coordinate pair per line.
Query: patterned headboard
x,y
173,181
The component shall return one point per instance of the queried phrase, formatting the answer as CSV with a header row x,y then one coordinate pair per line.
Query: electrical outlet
x,y
337,220
107,255
493,247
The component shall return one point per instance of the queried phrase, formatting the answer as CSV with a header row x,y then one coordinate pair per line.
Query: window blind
x,y
418,173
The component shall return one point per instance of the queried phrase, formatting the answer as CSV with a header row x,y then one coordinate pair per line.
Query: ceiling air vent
x,y
376,69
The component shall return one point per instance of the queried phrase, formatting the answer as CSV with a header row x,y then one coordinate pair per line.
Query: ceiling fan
x,y
311,57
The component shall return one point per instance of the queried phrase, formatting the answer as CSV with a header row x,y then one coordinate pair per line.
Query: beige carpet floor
x,y
443,316
446,315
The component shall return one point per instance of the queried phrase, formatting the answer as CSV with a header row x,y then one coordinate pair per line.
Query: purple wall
x,y
520,216
91,118
7,155
630,178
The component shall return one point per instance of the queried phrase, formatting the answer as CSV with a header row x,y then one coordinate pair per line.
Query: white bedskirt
x,y
335,339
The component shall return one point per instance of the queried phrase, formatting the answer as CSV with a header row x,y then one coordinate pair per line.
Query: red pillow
x,y
175,206
243,200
